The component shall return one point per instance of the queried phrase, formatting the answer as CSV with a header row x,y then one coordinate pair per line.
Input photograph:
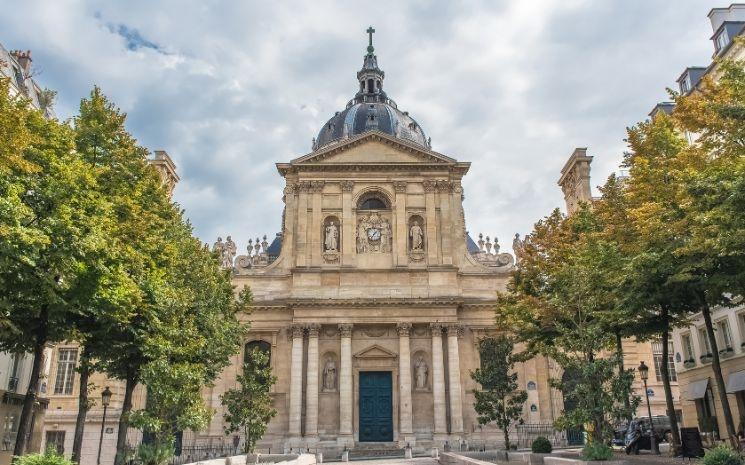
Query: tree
x,y
564,303
499,400
52,239
249,406
170,319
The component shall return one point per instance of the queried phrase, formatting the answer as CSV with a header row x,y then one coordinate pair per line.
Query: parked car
x,y
661,428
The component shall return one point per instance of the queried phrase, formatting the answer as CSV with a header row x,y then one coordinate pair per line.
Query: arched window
x,y
263,346
373,203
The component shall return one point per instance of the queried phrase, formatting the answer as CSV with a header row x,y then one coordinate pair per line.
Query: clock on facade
x,y
373,234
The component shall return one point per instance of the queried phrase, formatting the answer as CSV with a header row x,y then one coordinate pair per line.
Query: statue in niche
x,y
329,375
421,372
417,236
331,243
228,253
362,244
385,234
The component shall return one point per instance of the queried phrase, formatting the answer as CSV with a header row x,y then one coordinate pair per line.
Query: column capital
x,y
403,329
454,330
345,329
313,329
429,185
399,186
317,186
435,329
347,186
295,331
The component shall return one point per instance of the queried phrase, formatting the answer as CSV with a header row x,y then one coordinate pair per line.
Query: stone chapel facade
x,y
373,307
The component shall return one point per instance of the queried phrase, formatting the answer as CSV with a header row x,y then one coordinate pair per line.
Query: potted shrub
x,y
541,445
690,363
722,455
706,358
726,353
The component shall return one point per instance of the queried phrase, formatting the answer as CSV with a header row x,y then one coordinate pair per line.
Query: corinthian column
x,y
438,379
456,402
296,380
345,381
311,380
404,380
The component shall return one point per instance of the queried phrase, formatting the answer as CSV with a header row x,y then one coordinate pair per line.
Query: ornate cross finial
x,y
370,31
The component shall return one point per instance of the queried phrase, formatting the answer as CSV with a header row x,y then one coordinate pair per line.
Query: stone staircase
x,y
375,450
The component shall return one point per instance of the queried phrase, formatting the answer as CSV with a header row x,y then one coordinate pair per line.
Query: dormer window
x,y
722,40
685,84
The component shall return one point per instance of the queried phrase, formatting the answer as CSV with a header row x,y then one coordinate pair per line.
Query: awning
x,y
736,382
697,389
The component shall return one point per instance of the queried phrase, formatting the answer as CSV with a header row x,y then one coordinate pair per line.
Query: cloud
x,y
230,88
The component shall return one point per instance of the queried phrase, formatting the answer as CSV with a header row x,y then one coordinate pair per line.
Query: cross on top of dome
x,y
370,32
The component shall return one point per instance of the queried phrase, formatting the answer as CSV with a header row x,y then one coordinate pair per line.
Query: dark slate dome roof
x,y
370,110
360,117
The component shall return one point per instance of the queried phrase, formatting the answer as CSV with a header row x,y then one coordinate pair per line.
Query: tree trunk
x,y
506,432
85,372
621,368
24,423
121,437
716,367
665,372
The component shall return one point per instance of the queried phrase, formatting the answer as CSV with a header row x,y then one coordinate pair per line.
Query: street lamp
x,y
105,399
644,375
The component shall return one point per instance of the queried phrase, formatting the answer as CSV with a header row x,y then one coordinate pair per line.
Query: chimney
x,y
575,179
24,60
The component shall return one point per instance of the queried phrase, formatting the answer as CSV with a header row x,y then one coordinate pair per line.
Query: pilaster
x,y
315,228
302,223
345,385
288,234
456,397
296,380
438,380
311,386
349,249
404,385
400,244
431,212
446,222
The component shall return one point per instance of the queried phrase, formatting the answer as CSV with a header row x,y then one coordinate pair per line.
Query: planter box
x,y
568,461
726,353
537,459
706,358
689,363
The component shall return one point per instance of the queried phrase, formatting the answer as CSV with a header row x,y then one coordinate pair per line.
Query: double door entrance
x,y
376,406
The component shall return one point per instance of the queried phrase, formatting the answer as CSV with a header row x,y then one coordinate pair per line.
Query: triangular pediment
x,y
373,148
375,351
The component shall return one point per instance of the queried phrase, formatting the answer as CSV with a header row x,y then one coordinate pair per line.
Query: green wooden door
x,y
376,406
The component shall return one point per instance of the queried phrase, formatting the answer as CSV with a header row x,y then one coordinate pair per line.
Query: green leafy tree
x,y
249,406
499,400
52,237
564,303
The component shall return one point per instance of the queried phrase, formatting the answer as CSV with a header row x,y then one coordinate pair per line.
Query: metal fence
x,y
528,432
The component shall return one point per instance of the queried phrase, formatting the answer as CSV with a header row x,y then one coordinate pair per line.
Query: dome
x,y
370,110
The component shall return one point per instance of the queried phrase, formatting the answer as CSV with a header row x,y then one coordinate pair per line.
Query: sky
x,y
229,88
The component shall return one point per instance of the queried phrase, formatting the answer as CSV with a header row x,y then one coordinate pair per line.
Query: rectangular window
x,y
56,439
722,40
725,336
703,340
10,431
66,360
657,355
687,347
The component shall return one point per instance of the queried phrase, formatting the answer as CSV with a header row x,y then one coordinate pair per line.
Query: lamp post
x,y
644,374
105,399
